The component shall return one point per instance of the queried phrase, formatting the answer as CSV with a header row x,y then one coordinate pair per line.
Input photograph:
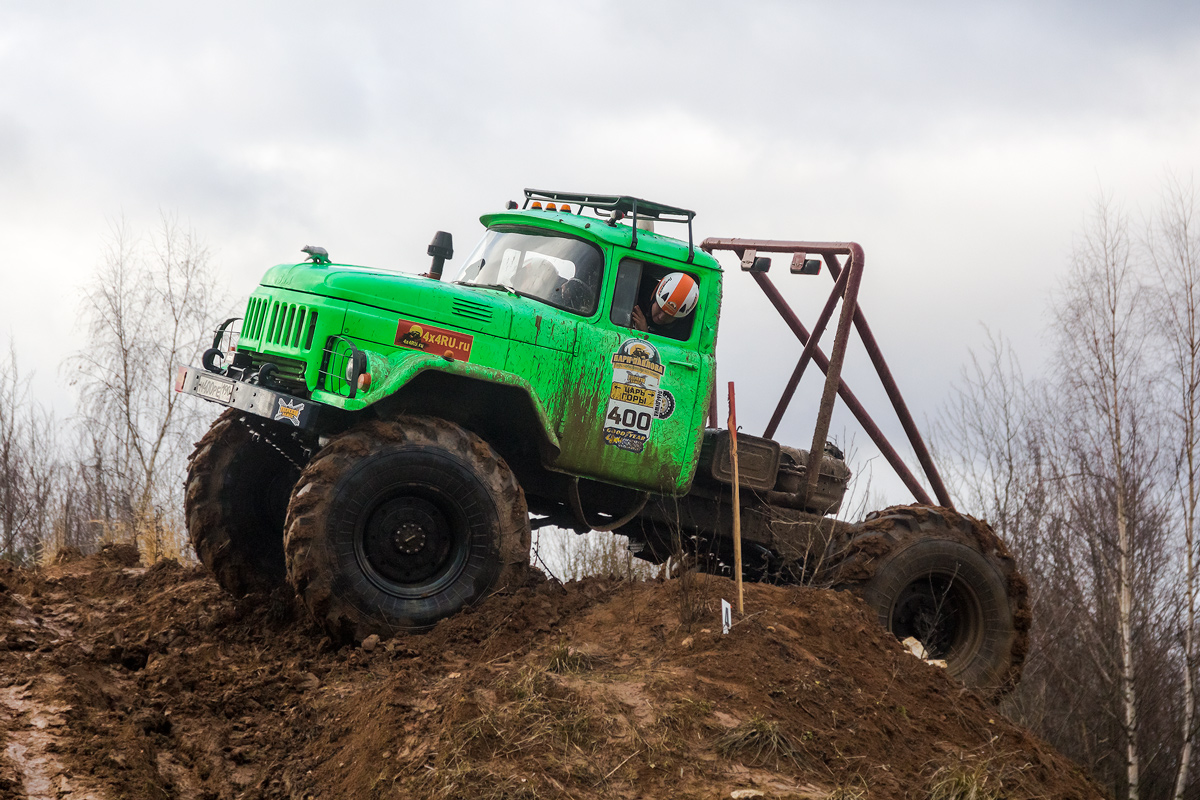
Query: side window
x,y
629,277
633,301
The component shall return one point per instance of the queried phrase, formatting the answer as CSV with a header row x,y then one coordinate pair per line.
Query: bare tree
x,y
992,436
1100,364
1173,247
44,486
992,440
146,311
1100,370
1091,475
573,556
30,466
14,399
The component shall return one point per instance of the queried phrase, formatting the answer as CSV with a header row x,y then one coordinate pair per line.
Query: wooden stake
x,y
737,505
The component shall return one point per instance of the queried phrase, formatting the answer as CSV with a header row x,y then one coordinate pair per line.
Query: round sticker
x,y
664,404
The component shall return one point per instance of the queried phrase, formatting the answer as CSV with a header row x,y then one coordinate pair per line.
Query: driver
x,y
675,297
536,277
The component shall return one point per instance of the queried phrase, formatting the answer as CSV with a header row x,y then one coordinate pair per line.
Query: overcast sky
x,y
961,144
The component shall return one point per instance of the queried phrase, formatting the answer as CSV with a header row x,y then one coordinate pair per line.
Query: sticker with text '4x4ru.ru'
x,y
431,339
635,399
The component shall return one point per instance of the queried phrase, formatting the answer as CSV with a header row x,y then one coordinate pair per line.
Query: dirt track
x,y
118,681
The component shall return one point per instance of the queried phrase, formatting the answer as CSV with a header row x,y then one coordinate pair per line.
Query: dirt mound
x,y
118,681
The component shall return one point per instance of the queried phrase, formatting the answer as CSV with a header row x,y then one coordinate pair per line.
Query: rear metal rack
x,y
846,278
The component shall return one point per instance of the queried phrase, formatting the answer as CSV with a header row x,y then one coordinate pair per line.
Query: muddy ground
x,y
120,681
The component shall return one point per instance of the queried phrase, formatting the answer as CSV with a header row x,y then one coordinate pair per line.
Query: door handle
x,y
682,363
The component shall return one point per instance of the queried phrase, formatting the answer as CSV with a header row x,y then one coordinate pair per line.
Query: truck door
x,y
631,420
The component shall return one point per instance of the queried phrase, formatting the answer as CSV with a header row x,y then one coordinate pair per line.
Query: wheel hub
x,y
930,609
407,540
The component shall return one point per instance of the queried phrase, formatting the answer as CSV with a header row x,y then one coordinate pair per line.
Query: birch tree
x,y
1100,369
1093,476
1173,247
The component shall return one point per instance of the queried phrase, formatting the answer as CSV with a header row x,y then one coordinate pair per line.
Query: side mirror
x,y
441,248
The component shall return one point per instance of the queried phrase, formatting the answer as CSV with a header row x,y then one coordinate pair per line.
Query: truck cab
x,y
534,335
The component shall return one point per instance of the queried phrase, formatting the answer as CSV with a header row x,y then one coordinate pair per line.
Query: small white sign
x,y
726,616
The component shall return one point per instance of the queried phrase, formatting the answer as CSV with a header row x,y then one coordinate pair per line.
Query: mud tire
x,y
235,504
349,556
914,563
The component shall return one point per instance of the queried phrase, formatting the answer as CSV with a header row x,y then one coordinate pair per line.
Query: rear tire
x,y
236,503
948,581
396,525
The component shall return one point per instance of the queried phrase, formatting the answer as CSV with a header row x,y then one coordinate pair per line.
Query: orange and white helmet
x,y
677,295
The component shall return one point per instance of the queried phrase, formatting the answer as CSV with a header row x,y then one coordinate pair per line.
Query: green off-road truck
x,y
391,439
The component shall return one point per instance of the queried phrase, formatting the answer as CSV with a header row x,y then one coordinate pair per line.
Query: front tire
x,y
396,525
236,503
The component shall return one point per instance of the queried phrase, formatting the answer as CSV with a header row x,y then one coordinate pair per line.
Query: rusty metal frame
x,y
845,288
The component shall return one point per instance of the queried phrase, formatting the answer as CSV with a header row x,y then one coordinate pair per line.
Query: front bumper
x,y
249,397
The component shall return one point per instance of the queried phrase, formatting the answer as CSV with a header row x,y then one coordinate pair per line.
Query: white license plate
x,y
214,389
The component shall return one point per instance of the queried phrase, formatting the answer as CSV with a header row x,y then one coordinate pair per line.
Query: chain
x,y
260,433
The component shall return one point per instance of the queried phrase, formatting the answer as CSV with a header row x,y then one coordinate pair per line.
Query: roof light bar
x,y
613,207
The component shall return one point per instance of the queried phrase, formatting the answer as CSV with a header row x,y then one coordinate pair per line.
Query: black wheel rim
x,y
942,612
412,542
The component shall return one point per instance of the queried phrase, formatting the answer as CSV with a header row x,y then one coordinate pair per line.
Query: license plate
x,y
214,389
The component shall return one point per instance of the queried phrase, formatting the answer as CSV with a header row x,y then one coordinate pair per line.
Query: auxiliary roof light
x,y
551,207
537,205
566,209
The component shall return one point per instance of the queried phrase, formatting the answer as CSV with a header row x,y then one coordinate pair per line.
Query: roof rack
x,y
618,206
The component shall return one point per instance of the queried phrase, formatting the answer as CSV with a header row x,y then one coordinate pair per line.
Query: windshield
x,y
561,271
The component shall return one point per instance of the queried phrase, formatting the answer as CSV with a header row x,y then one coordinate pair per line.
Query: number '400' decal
x,y
630,418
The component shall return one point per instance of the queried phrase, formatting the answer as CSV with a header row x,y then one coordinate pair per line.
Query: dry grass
x,y
533,715
967,781
565,659
679,725
848,793
685,716
483,784
758,741
156,535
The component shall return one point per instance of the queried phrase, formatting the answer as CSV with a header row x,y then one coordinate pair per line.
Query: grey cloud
x,y
944,137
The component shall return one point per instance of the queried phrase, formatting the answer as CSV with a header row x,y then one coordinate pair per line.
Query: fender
x,y
392,374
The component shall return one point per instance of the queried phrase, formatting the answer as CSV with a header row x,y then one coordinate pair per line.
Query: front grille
x,y
289,372
252,325
472,310
289,325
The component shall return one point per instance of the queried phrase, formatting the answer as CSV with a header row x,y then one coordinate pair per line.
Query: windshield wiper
x,y
498,286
